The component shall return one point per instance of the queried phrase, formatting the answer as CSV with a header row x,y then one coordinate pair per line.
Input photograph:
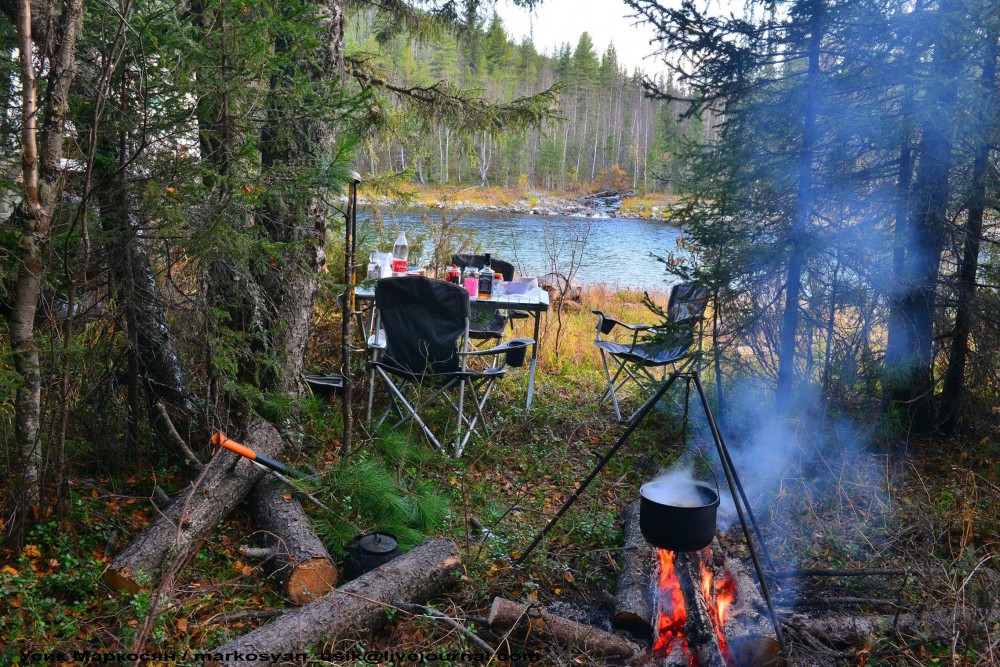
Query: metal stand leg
x,y
643,411
739,500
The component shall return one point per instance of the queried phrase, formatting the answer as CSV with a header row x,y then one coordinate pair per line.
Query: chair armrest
x,y
506,346
606,324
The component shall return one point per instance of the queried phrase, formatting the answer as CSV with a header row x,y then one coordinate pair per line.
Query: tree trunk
x,y
803,214
511,617
913,385
633,604
299,560
358,607
220,487
42,181
954,380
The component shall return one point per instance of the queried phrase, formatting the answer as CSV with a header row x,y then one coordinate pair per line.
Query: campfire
x,y
716,596
691,608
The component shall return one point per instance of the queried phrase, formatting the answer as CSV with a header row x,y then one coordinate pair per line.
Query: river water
x,y
618,252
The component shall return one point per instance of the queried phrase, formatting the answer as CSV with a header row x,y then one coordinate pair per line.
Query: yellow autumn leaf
x,y
182,625
7,569
32,551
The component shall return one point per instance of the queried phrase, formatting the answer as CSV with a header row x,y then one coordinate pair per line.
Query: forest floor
x,y
532,201
927,506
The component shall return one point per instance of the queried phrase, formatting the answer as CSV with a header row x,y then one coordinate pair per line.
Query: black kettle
x,y
367,552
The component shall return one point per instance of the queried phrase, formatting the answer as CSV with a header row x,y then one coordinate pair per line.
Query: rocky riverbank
x,y
620,203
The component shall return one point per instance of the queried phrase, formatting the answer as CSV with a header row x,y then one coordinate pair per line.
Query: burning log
x,y
507,616
356,607
214,494
702,627
710,610
296,556
633,603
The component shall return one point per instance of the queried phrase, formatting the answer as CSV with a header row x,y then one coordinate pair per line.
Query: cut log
x,y
633,603
299,561
506,616
355,608
216,492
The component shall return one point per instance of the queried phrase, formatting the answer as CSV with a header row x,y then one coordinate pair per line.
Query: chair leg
x,y
611,385
459,443
410,409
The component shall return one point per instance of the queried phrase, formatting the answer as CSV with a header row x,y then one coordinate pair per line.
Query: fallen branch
x,y
420,610
800,574
193,460
508,616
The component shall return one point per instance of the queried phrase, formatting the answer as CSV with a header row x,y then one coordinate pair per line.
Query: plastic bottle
x,y
472,282
486,275
400,251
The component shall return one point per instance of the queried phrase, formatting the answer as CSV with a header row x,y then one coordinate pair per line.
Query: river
x,y
619,252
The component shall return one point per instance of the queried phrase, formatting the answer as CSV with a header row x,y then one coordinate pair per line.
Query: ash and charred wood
x,y
633,603
216,492
748,629
357,607
300,563
527,621
699,630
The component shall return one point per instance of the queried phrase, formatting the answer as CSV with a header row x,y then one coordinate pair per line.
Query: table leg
x,y
534,360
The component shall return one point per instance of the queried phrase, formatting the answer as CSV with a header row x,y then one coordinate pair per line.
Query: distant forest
x,y
609,134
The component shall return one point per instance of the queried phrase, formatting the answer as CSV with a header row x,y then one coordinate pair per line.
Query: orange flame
x,y
670,627
672,616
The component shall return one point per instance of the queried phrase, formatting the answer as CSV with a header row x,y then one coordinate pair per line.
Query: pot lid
x,y
377,543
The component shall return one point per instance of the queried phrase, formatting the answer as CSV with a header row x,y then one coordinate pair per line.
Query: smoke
x,y
811,481
675,487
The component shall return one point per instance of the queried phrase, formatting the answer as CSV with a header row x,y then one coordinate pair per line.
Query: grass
x,y
935,513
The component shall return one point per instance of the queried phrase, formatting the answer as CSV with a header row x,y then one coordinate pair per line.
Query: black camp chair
x,y
643,347
420,351
488,323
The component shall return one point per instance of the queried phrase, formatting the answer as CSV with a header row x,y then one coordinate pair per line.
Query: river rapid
x,y
617,252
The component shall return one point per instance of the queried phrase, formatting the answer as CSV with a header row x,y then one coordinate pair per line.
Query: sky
x,y
556,21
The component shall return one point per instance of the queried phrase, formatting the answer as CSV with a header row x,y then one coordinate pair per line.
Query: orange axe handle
x,y
219,438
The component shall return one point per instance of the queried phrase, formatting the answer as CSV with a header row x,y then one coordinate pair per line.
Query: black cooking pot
x,y
366,552
684,526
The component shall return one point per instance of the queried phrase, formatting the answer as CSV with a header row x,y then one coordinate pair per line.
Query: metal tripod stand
x,y
747,520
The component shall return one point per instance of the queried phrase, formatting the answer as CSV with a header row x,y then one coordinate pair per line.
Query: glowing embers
x,y
710,599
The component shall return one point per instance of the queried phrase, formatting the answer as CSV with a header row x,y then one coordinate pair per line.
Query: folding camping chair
x,y
420,351
488,323
649,346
